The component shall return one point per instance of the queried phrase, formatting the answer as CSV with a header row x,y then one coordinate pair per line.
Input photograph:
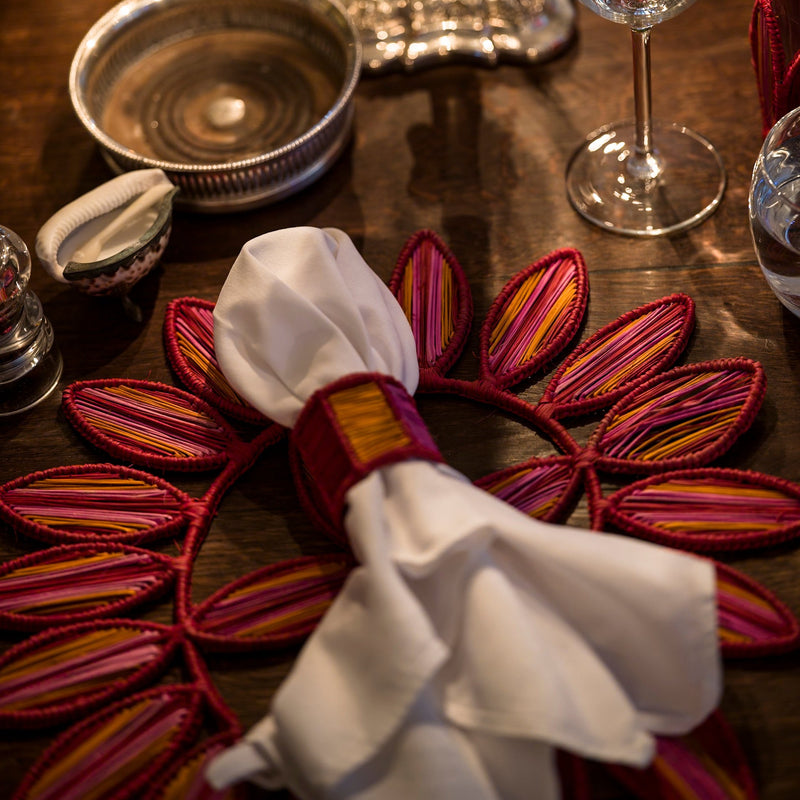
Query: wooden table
x,y
478,155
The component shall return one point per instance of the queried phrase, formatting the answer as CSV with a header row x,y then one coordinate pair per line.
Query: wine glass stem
x,y
643,162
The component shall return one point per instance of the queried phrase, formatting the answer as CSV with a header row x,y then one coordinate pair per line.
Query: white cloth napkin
x,y
471,639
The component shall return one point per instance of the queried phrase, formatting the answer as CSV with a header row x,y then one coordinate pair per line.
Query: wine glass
x,y
643,177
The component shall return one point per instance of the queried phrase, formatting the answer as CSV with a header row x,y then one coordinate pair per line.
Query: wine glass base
x,y
608,184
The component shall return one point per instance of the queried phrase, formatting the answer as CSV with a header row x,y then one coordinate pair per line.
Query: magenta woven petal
x,y
65,672
93,503
752,620
274,606
683,418
709,510
119,751
430,286
189,340
534,317
184,778
68,584
541,487
149,423
706,764
632,348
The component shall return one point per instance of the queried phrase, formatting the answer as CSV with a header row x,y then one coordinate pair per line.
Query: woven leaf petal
x,y
709,510
540,488
119,751
634,347
706,764
58,673
189,338
149,423
752,620
76,582
534,317
430,285
277,605
95,502
769,60
186,779
683,418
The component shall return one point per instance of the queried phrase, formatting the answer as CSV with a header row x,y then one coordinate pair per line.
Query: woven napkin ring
x,y
350,428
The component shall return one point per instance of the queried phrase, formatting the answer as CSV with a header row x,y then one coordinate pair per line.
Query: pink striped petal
x,y
189,338
432,289
277,605
150,424
185,778
534,318
683,418
69,584
752,620
706,764
709,510
93,503
541,487
119,752
61,672
634,347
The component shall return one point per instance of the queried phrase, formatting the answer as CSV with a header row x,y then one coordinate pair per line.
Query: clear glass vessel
x,y
30,363
774,208
643,177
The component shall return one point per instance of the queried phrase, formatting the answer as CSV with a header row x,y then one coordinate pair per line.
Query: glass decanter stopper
x,y
30,364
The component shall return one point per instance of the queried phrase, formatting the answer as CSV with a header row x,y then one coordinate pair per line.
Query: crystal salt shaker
x,y
30,363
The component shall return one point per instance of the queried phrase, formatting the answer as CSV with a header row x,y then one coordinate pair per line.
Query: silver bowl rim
x,y
116,16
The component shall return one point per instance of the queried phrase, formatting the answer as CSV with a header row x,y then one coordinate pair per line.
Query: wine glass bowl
x,y
644,177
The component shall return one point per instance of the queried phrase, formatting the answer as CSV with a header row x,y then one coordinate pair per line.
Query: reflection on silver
x,y
411,34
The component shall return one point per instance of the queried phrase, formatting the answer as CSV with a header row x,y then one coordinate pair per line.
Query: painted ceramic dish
x,y
107,240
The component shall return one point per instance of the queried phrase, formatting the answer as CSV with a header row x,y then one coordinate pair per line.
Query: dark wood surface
x,y
477,155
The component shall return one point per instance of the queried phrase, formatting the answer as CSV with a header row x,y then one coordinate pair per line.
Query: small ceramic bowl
x,y
107,240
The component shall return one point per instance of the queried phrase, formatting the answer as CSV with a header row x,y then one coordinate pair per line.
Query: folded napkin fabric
x,y
471,640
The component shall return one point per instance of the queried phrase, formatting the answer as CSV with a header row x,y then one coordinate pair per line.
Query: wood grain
x,y
478,155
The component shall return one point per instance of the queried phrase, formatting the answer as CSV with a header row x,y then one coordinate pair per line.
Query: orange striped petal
x,y
432,289
189,338
120,751
752,620
543,488
534,317
95,502
634,347
62,672
69,584
709,510
185,779
683,418
277,605
150,424
706,764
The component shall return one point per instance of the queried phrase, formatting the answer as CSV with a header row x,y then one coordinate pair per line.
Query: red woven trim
x,y
189,376
138,783
163,575
123,451
324,459
82,704
699,542
771,90
45,533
